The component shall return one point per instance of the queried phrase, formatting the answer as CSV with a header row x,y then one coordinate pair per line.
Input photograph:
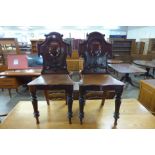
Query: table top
x,y
52,79
126,68
144,63
99,79
26,72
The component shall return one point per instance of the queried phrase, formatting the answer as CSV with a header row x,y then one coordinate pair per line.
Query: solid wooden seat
x,y
54,52
95,51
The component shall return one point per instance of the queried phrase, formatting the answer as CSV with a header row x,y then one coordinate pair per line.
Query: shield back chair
x,y
54,52
95,51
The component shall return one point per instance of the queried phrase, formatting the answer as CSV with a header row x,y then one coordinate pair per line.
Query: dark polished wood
x,y
54,52
98,82
95,51
52,82
126,69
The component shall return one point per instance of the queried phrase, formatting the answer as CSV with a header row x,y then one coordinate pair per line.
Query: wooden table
x,y
147,65
126,69
10,79
18,73
13,78
98,82
52,82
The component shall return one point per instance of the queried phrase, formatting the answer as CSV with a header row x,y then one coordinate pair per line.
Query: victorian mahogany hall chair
x,y
54,52
95,52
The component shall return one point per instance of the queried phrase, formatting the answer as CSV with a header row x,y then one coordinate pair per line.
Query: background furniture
x,y
122,47
8,46
34,45
12,79
74,63
9,83
126,69
140,47
147,94
149,45
147,65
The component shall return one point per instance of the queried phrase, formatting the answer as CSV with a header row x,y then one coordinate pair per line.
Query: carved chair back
x,y
54,52
95,51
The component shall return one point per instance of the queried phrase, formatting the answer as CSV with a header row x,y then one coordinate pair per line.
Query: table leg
x,y
117,103
69,104
81,104
127,78
153,71
147,74
34,103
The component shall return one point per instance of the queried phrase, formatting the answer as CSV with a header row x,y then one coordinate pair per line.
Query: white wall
x,y
25,34
138,32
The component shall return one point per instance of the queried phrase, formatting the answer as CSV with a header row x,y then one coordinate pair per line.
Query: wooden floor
x,y
132,116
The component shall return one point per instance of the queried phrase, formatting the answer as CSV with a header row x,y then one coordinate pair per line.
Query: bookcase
x,y
123,47
140,47
149,45
8,46
1,59
34,45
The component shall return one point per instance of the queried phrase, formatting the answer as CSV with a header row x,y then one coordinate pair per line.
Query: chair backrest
x,y
54,52
95,51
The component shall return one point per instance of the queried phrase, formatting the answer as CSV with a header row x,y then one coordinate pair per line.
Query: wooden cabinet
x,y
122,47
149,45
8,46
34,45
140,47
1,59
75,63
147,94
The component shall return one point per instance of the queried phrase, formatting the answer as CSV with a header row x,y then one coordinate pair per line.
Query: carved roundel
x,y
54,49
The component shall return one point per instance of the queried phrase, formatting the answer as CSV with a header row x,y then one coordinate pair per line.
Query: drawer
x,y
8,81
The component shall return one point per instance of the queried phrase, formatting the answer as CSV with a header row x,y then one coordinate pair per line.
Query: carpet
x,y
132,116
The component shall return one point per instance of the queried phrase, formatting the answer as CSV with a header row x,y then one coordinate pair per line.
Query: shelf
x,y
149,45
123,46
34,45
8,46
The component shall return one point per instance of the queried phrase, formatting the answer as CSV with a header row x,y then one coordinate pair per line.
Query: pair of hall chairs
x,y
94,50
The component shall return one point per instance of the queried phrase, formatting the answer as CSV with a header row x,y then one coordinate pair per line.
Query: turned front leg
x,y
69,95
81,104
34,102
118,92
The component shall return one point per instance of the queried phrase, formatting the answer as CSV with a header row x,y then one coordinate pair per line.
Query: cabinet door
x,y
146,96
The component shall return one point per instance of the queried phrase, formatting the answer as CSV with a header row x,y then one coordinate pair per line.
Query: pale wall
x,y
137,32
